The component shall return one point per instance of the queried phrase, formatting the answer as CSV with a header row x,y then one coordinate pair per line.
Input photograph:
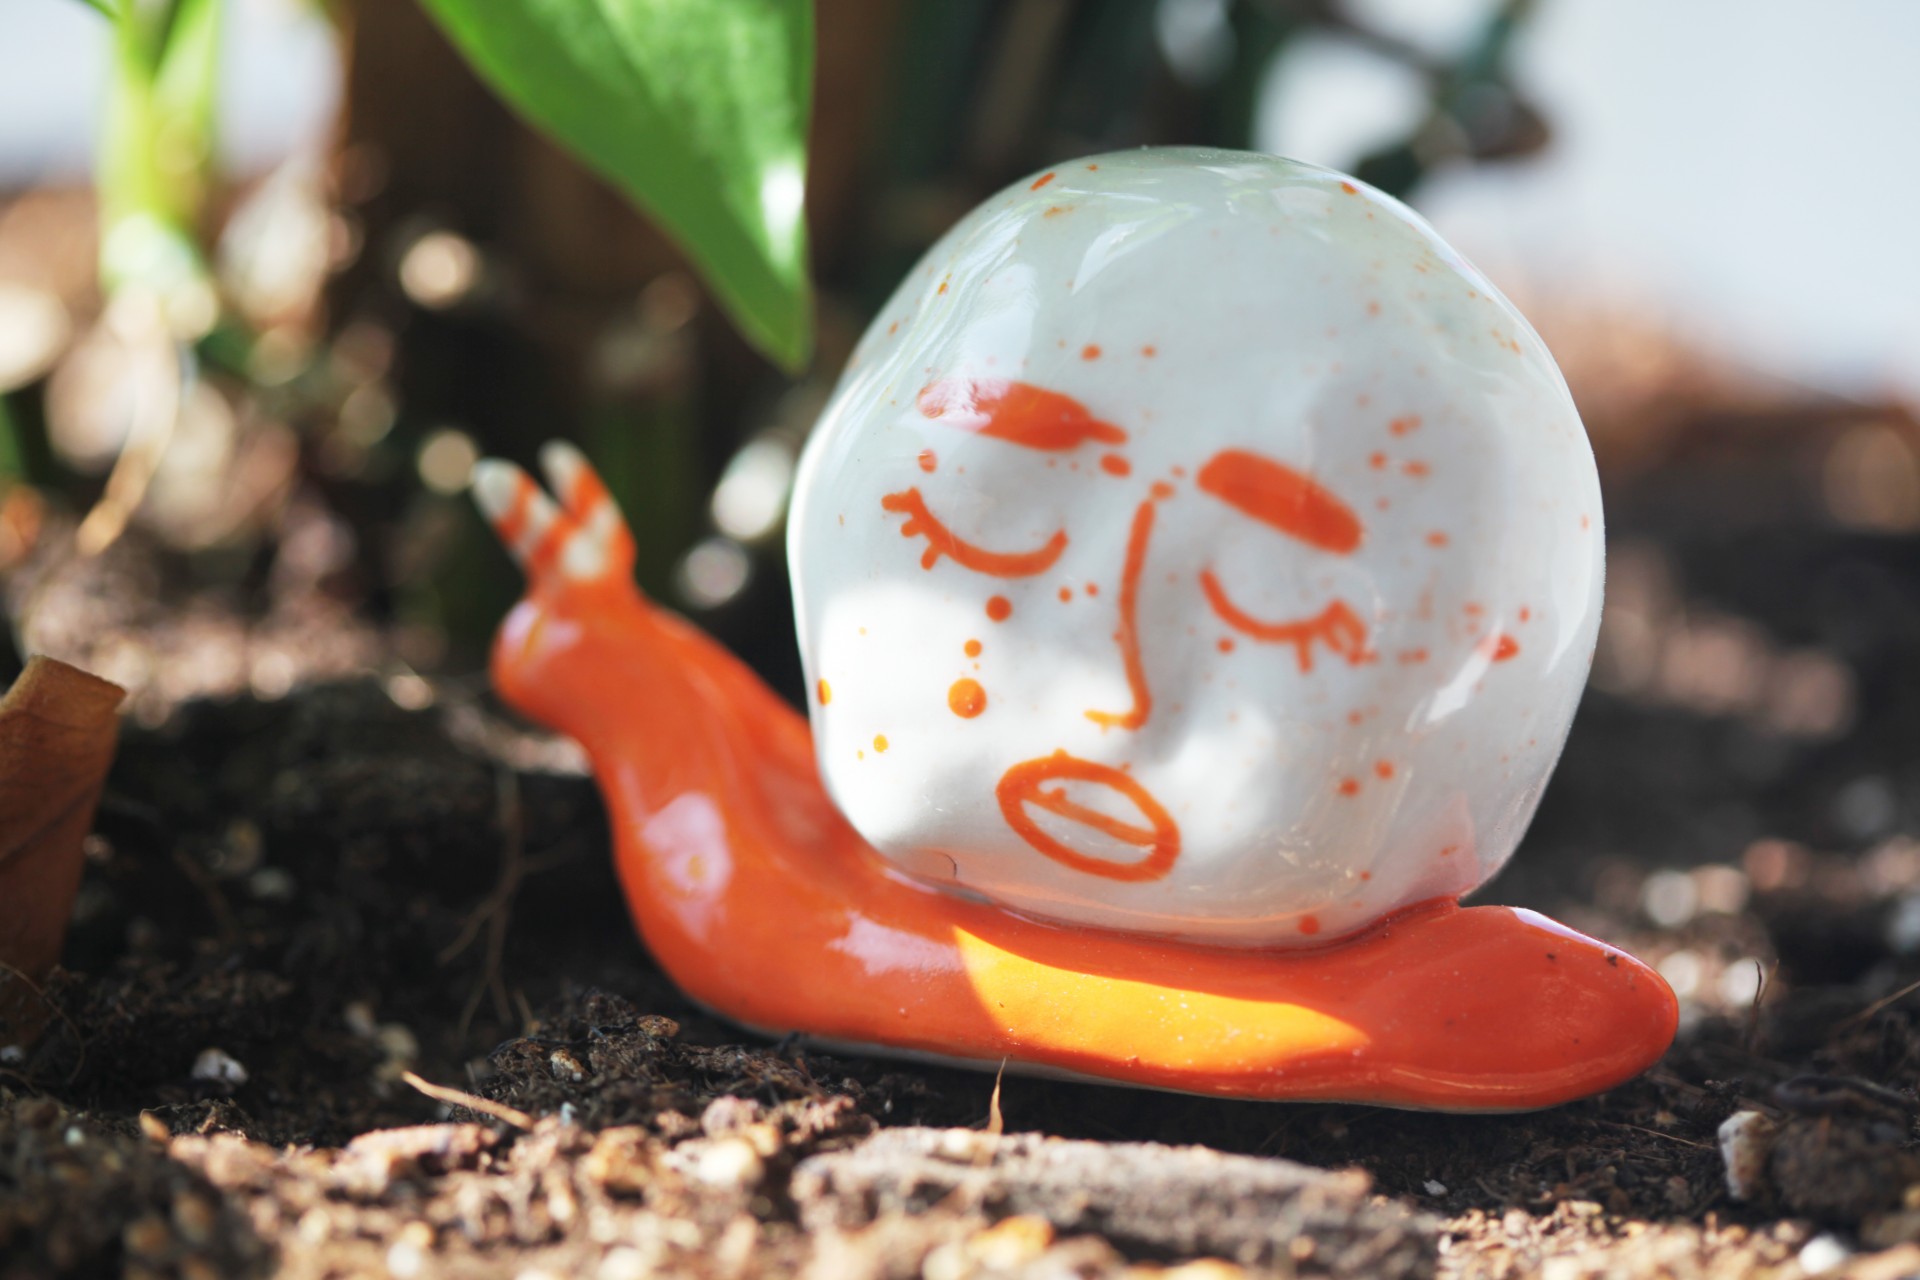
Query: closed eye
x,y
1337,627
942,541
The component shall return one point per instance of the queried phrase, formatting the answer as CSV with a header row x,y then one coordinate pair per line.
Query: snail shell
x,y
1197,545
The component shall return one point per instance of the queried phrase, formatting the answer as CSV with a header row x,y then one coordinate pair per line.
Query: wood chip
x,y
57,731
1149,1200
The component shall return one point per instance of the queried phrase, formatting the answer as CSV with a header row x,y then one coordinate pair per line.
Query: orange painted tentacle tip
x,y
579,538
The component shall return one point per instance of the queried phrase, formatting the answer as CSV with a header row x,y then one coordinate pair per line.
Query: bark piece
x,y
57,730
1150,1201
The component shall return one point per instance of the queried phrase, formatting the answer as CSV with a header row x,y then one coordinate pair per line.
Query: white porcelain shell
x,y
1206,304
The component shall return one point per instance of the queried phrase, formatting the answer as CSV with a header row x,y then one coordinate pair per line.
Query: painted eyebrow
x,y
1281,498
1016,412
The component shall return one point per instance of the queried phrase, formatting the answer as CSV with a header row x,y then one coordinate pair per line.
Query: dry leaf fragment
x,y
57,731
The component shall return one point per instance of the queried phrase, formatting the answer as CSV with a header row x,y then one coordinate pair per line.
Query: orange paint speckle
x,y
1309,925
1066,594
1366,875
1436,539
1090,352
1041,181
1449,851
1373,308
1054,211
942,288
1401,426
1115,465
1418,470
966,698
1586,522
999,608
1377,460
1349,786
1161,489
1506,647
927,461
1224,644
893,328
1383,768
879,742
1149,351
1410,657
1526,614
825,691
1350,189
971,648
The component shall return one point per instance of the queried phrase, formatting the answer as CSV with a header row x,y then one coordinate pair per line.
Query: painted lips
x,y
1041,787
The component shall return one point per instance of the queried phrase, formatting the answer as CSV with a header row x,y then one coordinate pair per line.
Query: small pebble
x,y
405,1259
624,1263
1822,1254
219,1066
1008,1245
729,1162
1746,1140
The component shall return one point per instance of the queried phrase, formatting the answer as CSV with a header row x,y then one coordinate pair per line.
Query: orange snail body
x,y
763,904
1173,680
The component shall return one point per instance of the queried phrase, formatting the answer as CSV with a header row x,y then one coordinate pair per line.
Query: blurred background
x,y
407,277
236,429
1706,209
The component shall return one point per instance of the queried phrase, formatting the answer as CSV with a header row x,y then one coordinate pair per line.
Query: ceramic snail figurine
x,y
1196,570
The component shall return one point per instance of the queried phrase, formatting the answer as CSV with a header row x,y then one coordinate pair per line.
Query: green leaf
x,y
156,156
696,109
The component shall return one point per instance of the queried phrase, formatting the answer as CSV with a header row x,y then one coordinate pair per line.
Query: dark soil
x,y
291,903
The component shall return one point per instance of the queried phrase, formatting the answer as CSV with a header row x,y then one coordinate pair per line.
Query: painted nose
x,y
1139,538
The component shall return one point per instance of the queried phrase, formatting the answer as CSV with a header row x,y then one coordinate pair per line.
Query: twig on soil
x,y
996,1123
1685,1142
217,905
79,1040
1884,1002
1759,993
495,911
471,1101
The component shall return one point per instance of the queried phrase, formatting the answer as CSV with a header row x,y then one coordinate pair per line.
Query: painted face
x,y
1196,545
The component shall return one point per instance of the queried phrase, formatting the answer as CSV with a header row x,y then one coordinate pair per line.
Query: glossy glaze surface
x,y
763,903
1196,545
